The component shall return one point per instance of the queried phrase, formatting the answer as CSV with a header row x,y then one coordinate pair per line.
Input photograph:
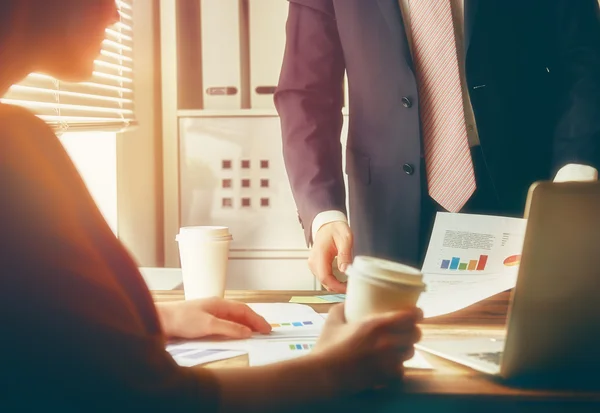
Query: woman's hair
x,y
7,8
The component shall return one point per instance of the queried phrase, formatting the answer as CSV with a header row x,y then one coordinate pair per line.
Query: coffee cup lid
x,y
385,270
216,233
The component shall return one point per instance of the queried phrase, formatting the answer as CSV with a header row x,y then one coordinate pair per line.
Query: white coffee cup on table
x,y
204,255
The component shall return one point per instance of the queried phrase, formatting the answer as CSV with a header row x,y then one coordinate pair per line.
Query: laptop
x,y
553,324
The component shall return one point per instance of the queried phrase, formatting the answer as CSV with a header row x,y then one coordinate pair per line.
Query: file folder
x,y
221,69
267,20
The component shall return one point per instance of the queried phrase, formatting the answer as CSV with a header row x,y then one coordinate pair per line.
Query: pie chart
x,y
512,260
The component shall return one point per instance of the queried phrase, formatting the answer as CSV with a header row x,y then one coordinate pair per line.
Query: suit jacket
x,y
533,73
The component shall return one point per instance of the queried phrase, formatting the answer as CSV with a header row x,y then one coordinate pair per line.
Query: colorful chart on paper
x,y
292,324
456,263
512,260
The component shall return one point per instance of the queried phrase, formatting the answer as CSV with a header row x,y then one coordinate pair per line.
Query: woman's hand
x,y
210,316
369,353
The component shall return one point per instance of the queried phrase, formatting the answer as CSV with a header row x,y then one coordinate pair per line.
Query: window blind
x,y
104,103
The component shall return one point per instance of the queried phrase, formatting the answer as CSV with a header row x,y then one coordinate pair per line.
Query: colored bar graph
x,y
292,324
471,265
482,261
296,347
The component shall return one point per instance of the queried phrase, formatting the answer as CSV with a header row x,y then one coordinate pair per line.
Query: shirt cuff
x,y
576,172
326,217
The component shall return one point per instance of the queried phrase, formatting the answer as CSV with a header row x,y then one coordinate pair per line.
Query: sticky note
x,y
332,298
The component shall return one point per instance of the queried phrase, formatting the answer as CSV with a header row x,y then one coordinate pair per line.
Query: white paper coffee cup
x,y
204,255
376,286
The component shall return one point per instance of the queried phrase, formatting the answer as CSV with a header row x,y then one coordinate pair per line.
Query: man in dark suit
x,y
455,105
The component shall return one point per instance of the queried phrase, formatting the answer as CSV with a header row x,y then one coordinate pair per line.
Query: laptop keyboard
x,y
491,357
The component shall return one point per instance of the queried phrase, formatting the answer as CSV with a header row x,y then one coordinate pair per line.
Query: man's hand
x,y
210,316
331,240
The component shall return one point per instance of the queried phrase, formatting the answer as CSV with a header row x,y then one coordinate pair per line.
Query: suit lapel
x,y
393,16
471,7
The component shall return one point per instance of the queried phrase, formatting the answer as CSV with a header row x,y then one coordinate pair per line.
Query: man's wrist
x,y
326,217
576,172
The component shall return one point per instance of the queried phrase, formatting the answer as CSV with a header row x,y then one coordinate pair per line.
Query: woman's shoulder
x,y
8,112
14,119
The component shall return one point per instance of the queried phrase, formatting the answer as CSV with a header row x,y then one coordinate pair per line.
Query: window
x,y
88,115
95,157
105,103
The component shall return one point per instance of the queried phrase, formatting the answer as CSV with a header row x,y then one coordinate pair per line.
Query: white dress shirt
x,y
571,172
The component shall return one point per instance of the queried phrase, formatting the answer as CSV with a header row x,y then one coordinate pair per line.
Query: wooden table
x,y
449,387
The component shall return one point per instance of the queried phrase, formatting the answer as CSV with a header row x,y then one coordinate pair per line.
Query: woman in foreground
x,y
80,330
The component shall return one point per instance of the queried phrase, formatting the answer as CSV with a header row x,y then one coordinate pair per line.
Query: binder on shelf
x,y
221,69
267,20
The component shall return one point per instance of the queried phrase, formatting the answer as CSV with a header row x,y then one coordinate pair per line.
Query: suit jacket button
x,y
408,169
406,102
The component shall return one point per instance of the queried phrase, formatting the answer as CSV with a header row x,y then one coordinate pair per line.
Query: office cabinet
x,y
232,173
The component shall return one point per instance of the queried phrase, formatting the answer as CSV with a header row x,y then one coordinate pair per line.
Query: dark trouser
x,y
483,201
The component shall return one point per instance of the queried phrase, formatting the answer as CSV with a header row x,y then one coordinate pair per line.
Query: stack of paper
x,y
273,351
295,331
193,353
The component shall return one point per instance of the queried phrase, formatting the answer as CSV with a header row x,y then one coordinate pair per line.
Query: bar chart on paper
x,y
292,324
272,351
456,263
289,320
477,245
301,347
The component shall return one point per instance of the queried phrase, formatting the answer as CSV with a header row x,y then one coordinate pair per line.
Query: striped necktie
x,y
448,162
